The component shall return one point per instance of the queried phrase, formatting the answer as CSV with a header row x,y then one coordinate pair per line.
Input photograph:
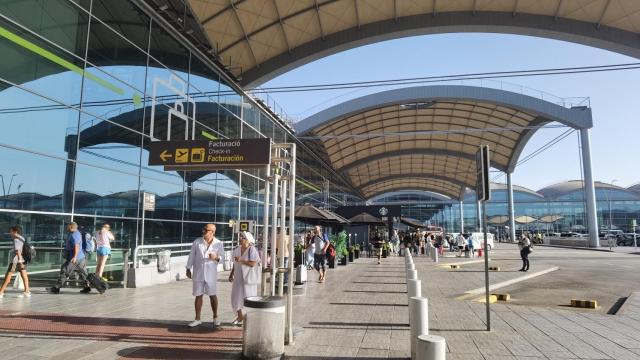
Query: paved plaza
x,y
360,311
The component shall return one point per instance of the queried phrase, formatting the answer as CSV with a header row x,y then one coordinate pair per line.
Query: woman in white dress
x,y
245,257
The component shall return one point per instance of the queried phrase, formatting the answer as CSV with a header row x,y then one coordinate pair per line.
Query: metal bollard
x,y
434,255
411,266
430,347
414,288
418,320
412,274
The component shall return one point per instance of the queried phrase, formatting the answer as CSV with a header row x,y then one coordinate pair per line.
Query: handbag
x,y
251,275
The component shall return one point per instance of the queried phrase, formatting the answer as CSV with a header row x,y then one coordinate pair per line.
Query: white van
x,y
478,240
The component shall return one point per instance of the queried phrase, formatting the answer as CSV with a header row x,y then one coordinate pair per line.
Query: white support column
x,y
589,188
512,219
461,216
274,233
265,229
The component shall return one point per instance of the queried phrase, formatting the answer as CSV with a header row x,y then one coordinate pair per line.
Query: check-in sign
x,y
211,154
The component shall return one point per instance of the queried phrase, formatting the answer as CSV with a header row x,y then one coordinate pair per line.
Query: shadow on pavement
x,y
367,304
160,333
333,323
163,352
375,291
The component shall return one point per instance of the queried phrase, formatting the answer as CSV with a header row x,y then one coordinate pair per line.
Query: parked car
x,y
611,234
627,239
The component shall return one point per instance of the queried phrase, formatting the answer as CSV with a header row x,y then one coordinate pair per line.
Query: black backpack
x,y
28,251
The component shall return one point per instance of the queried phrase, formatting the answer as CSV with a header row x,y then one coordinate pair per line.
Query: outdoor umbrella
x,y
551,218
411,222
308,212
525,219
365,218
498,220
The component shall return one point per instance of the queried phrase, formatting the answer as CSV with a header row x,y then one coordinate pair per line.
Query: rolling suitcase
x,y
97,283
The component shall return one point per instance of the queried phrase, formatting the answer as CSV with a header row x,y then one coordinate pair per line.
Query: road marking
x,y
481,290
462,263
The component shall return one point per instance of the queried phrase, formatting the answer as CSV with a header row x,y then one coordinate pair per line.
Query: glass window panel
x,y
230,99
168,51
170,104
58,21
126,19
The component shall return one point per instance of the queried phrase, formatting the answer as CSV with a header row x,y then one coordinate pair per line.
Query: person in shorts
x,y
104,237
17,263
75,261
319,256
202,267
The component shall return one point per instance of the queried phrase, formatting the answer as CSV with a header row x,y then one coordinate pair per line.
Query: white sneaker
x,y
195,323
216,322
1,295
25,295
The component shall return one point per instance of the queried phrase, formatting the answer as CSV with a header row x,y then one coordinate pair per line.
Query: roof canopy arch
x,y
259,39
425,138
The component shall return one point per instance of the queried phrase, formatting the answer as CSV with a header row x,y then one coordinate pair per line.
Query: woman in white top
x,y
17,263
461,242
525,249
103,243
245,258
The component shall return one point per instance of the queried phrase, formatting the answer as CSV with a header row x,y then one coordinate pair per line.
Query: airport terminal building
x,y
87,84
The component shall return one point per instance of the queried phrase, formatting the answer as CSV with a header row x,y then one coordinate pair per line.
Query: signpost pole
x,y
486,265
483,194
274,232
292,204
265,230
281,249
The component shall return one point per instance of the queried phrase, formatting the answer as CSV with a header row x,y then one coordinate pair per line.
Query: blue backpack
x,y
88,243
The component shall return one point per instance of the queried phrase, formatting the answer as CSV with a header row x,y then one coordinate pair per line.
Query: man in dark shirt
x,y
75,261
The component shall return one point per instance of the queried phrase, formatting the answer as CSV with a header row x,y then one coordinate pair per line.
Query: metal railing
x,y
40,249
157,248
138,253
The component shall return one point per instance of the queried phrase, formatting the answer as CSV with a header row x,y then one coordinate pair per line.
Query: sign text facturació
x,y
210,154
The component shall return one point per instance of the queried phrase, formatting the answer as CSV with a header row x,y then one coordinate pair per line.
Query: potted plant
x,y
350,253
345,255
356,251
298,252
339,241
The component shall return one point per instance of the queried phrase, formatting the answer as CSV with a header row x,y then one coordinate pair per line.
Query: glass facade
x,y
565,213
85,86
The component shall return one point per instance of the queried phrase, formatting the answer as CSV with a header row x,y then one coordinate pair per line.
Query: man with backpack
x,y
75,261
19,261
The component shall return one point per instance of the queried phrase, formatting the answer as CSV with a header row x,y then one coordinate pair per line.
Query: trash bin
x,y
164,260
263,331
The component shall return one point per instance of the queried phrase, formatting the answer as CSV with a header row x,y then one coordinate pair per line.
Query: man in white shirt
x,y
206,253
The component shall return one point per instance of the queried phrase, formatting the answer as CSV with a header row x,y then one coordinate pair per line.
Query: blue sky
x,y
613,95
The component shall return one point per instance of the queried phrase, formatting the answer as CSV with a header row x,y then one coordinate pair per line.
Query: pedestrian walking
x,y
75,261
319,256
310,247
104,237
202,267
461,242
244,274
17,263
525,250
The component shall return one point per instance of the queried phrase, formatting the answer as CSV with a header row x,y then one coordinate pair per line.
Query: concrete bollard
x,y
434,254
414,288
418,321
412,274
430,347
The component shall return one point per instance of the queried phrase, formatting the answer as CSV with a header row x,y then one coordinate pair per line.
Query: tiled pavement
x,y
361,311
